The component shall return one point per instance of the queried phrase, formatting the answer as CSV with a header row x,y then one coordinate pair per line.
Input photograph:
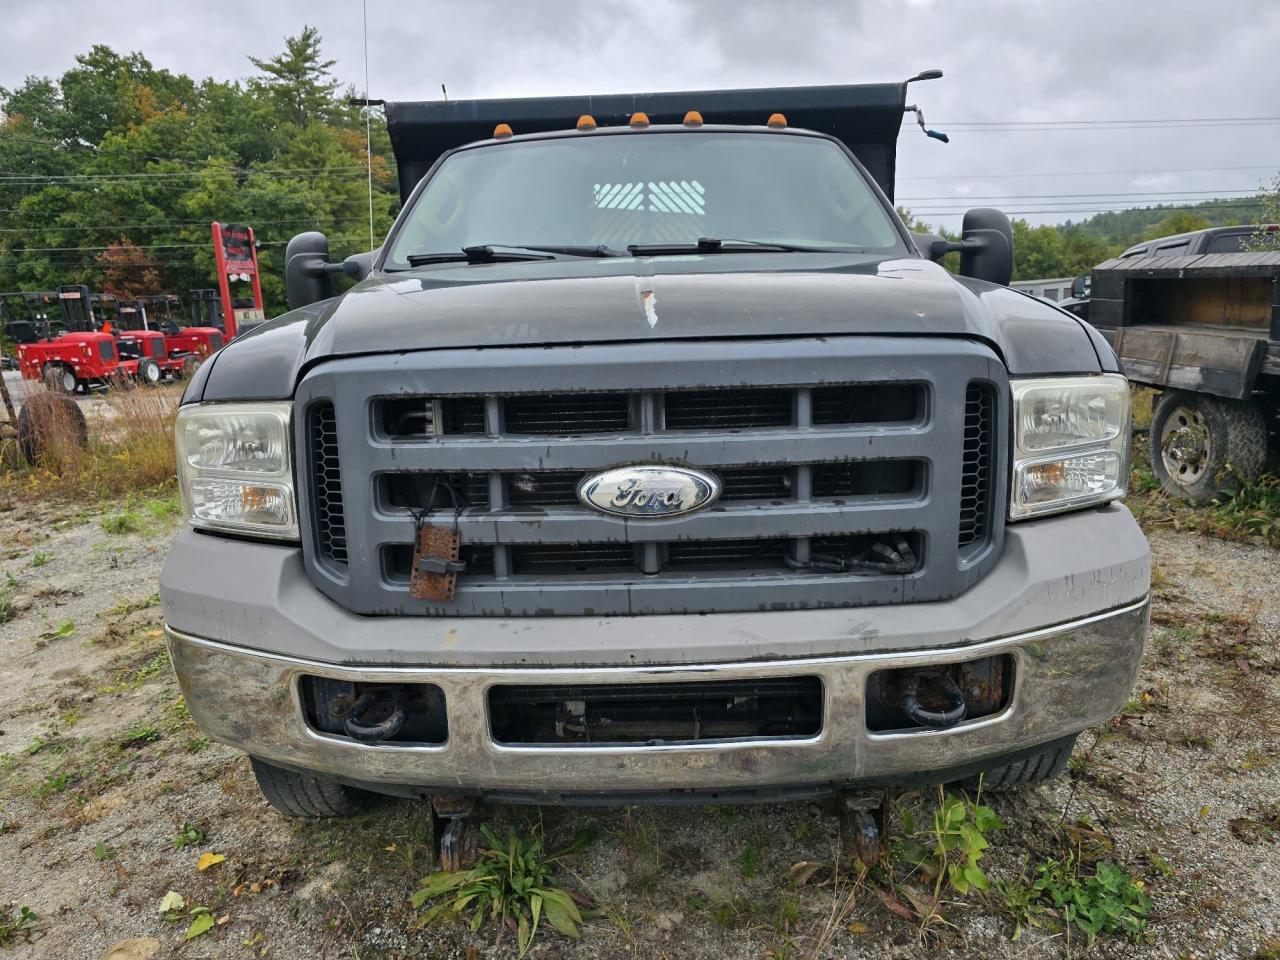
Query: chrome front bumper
x,y
1067,678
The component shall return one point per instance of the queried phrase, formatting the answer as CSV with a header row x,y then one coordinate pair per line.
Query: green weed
x,y
511,886
39,559
1062,894
949,850
128,521
188,836
14,928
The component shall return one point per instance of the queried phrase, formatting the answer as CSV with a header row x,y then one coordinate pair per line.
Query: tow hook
x,y
454,833
376,715
945,687
862,827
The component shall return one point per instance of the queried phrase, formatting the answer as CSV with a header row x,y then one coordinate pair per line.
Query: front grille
x,y
975,484
326,484
841,485
653,713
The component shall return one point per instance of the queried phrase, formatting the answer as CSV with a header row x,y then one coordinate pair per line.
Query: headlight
x,y
1070,443
234,468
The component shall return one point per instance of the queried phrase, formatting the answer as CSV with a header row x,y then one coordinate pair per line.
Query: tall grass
x,y
130,448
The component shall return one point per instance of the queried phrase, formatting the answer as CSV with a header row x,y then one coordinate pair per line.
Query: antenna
x,y
444,91
368,135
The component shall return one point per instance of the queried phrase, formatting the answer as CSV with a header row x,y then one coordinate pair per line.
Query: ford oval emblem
x,y
650,490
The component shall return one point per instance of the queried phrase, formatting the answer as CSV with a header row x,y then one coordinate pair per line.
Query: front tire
x,y
60,379
306,795
149,373
1040,767
1201,446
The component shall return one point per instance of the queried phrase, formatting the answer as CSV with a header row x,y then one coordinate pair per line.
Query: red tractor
x,y
185,339
60,344
143,353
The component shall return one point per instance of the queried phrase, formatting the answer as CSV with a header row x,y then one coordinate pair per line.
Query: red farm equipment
x,y
60,343
143,353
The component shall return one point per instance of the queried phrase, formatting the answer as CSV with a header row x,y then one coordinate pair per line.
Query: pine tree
x,y
299,80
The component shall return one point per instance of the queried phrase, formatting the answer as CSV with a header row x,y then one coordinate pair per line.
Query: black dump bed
x,y
865,117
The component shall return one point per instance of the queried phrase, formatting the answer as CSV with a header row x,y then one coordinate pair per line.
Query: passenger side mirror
x,y
986,247
1080,287
986,250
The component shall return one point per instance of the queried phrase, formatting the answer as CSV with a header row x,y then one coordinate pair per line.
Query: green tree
x,y
299,81
1184,221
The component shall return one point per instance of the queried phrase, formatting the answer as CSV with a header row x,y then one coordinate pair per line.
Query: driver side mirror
x,y
1080,287
986,246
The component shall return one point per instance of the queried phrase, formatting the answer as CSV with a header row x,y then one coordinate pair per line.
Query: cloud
x,y
1004,59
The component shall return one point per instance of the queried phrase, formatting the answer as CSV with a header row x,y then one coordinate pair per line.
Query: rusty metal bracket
x,y
863,824
454,831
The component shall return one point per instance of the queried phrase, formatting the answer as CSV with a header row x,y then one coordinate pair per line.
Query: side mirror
x,y
930,245
986,250
1080,287
306,279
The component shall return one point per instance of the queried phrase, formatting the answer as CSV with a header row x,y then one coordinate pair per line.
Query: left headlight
x,y
234,468
1070,443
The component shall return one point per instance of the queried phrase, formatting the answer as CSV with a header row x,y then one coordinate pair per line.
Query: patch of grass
x,y
128,606
138,736
40,558
129,450
126,522
14,928
8,598
1061,893
512,887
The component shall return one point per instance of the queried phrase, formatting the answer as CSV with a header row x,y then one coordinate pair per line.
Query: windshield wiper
x,y
501,252
477,254
719,245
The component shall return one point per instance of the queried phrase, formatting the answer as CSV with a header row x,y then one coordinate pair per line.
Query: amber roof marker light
x,y
639,120
693,119
502,131
777,121
586,122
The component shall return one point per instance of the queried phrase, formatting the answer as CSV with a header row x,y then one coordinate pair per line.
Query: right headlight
x,y
1070,443
234,468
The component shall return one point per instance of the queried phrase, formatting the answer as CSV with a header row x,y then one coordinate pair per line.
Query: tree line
x,y
111,173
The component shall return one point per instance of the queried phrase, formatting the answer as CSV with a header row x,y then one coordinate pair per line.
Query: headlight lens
x,y
234,468
1071,443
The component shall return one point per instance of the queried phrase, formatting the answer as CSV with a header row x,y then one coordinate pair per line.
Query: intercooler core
x,y
656,713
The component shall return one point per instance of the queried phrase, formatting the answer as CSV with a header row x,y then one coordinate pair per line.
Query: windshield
x,y
655,188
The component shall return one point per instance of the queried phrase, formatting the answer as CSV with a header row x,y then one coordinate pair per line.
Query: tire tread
x,y
300,795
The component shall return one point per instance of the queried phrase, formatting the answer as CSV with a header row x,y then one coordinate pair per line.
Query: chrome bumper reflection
x,y
1067,678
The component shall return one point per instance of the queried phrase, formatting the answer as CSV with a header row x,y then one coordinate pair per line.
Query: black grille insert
x,y
857,478
567,413
426,417
868,403
728,409
975,485
326,484
654,713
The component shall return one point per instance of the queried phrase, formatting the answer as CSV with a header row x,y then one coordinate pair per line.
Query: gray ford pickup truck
x,y
651,459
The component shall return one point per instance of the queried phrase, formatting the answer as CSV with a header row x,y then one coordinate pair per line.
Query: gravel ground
x,y
102,773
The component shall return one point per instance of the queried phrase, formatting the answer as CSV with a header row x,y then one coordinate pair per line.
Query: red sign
x,y
237,249
236,256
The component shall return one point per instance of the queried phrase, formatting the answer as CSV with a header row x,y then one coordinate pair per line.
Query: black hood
x,y
579,301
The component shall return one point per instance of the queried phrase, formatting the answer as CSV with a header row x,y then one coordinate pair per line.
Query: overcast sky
x,y
1004,60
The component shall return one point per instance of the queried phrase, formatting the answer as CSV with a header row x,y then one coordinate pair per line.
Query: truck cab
x,y
652,459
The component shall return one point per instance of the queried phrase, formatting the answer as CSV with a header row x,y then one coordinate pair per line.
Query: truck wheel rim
x,y
153,374
1186,446
68,381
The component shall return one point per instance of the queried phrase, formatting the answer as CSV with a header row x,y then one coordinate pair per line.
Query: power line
x,y
1116,195
1111,122
20,178
171,225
